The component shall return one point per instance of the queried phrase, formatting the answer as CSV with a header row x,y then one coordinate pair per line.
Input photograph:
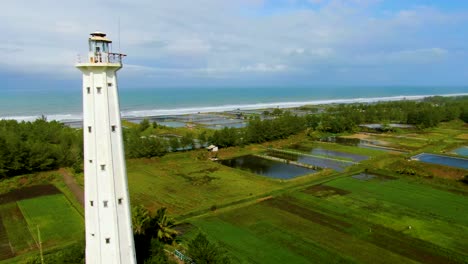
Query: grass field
x,y
416,216
16,228
347,220
56,219
184,184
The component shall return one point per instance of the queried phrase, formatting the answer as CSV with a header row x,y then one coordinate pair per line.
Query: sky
x,y
244,43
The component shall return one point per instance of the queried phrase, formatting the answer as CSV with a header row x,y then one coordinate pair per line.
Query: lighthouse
x,y
109,236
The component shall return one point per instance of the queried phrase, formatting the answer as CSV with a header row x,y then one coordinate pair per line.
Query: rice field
x,y
347,220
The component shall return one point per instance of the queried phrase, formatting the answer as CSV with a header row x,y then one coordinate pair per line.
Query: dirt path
x,y
73,186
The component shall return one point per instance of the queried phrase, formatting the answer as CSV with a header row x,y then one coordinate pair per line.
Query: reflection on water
x,y
315,161
270,168
333,153
463,151
442,160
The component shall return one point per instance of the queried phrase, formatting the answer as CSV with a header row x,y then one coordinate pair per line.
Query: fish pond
x,y
333,153
362,143
335,164
442,160
265,167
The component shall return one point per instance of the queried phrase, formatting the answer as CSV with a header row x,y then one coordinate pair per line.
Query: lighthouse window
x,y
120,200
92,234
107,240
105,203
90,161
103,167
109,84
88,89
113,128
89,129
99,89
91,203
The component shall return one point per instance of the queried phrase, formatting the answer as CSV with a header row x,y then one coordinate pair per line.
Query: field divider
x,y
269,195
311,155
308,166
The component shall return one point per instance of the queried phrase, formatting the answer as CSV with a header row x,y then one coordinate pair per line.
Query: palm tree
x,y
141,220
164,226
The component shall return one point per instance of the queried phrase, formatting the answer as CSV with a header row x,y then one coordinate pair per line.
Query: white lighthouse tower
x,y
109,236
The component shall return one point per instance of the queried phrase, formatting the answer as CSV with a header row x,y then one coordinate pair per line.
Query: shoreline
x,y
152,113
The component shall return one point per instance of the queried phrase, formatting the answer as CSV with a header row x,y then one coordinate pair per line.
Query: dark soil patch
x,y
207,170
5,249
183,228
28,192
325,191
413,248
316,217
197,180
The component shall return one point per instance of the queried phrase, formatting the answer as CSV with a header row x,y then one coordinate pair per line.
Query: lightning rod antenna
x,y
119,31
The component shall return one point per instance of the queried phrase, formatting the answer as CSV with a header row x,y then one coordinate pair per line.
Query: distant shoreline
x,y
140,114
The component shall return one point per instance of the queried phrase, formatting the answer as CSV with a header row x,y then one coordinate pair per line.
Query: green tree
x,y
164,226
157,255
144,124
202,137
277,112
187,141
141,219
202,251
174,143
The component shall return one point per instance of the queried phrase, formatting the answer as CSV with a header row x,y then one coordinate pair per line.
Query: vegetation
x,y
151,233
41,212
27,147
409,212
394,219
202,251
74,253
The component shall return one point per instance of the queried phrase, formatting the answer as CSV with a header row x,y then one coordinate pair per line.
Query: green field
x,y
184,184
55,218
58,222
16,228
347,220
326,217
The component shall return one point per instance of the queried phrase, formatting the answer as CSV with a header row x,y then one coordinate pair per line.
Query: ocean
x,y
65,105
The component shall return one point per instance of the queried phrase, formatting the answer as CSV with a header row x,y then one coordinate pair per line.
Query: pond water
x,y
315,161
442,160
171,124
362,143
333,153
363,176
463,151
218,121
265,167
235,125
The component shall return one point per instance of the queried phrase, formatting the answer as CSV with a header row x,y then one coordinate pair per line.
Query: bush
x,y
202,251
465,179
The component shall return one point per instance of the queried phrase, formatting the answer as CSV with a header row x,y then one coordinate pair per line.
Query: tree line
x,y
27,147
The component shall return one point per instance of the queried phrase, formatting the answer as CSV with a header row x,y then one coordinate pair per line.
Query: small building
x,y
212,148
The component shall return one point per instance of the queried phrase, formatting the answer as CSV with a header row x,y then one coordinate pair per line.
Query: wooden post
x,y
40,245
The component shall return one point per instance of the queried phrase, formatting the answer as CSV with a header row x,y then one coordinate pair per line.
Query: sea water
x,y
66,104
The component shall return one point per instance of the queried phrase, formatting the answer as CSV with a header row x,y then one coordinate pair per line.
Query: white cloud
x,y
212,38
262,67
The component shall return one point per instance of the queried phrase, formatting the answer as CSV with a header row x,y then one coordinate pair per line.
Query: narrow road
x,y
73,186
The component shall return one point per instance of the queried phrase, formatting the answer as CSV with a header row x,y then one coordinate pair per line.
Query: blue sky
x,y
240,43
